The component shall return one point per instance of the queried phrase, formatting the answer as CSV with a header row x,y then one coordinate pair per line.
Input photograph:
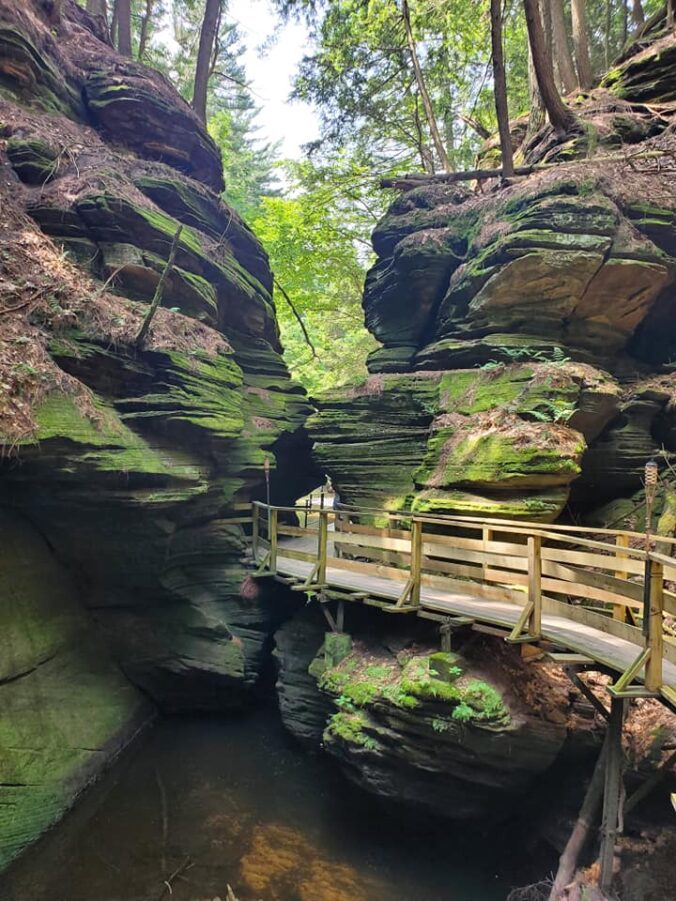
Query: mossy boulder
x,y
426,729
648,75
141,110
465,441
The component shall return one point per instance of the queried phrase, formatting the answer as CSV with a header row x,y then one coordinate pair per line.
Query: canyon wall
x,y
125,465
527,329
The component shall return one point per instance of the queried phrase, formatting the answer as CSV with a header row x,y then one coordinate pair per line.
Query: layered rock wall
x,y
125,468
528,330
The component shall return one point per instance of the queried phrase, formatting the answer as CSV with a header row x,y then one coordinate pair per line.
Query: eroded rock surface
x,y
132,462
518,327
445,733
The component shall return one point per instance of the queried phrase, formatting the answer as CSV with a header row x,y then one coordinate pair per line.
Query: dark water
x,y
235,802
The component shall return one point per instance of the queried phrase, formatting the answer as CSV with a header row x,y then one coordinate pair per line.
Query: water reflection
x,y
202,805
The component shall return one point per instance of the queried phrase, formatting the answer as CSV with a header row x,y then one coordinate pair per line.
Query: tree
x,y
422,88
123,21
205,56
560,116
500,88
581,43
312,236
537,113
561,49
145,28
637,13
98,8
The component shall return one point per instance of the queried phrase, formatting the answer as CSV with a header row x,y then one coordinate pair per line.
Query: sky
x,y
270,73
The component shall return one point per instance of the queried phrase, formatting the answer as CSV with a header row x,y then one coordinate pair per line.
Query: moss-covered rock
x,y
502,441
66,708
136,464
407,730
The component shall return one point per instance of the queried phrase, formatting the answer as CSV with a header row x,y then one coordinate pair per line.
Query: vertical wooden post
x,y
340,616
255,529
611,793
619,610
655,635
272,537
322,541
487,535
535,585
416,561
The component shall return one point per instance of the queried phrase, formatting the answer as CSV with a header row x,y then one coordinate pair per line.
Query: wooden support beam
x,y
568,660
535,584
619,610
255,528
329,618
416,560
272,538
655,637
588,693
340,616
611,794
322,545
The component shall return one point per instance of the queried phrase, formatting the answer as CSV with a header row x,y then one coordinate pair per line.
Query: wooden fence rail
x,y
606,579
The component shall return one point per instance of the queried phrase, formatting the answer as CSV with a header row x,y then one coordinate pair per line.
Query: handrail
x,y
531,573
498,524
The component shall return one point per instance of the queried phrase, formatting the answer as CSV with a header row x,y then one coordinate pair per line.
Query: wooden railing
x,y
606,579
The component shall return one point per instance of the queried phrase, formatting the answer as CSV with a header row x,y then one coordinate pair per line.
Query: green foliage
x,y
463,713
314,238
440,725
350,728
551,410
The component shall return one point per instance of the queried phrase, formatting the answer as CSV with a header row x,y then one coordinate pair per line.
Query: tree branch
x,y
159,291
295,312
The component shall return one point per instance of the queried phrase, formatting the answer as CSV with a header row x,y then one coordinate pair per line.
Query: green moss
x,y
425,681
349,727
34,161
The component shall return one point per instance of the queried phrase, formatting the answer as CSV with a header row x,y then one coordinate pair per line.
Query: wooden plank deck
x,y
608,650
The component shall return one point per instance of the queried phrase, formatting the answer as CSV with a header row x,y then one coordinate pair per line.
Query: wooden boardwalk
x,y
578,591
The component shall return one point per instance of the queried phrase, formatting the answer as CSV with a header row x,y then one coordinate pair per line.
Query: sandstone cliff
x,y
527,330
124,468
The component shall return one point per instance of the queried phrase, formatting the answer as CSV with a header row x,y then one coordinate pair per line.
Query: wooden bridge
x,y
589,599
587,596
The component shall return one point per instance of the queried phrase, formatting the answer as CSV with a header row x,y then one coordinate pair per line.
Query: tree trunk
x,y
561,48
560,115
584,822
204,57
537,116
606,36
585,76
145,28
98,8
637,13
123,8
424,152
500,88
422,89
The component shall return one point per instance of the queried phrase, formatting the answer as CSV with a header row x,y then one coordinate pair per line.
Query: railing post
x,y
487,535
416,561
272,537
535,584
611,793
619,610
655,634
322,542
255,528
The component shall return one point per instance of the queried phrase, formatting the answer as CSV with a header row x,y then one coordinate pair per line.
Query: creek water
x,y
236,802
